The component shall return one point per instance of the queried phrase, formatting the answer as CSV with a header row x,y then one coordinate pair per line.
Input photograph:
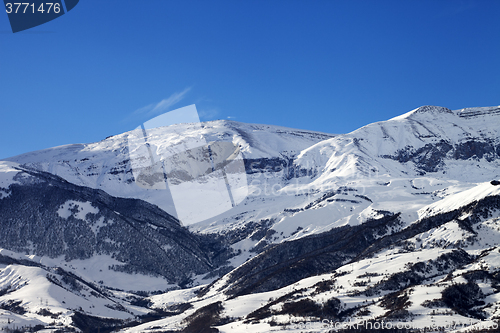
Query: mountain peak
x,y
432,109
425,109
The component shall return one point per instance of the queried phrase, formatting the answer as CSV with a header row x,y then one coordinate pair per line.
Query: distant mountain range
x,y
397,222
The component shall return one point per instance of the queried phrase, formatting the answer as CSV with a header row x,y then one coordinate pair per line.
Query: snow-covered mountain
x,y
106,165
396,221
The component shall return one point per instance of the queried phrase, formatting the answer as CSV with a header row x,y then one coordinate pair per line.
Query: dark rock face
x,y
433,108
279,166
432,156
477,149
269,165
43,215
475,112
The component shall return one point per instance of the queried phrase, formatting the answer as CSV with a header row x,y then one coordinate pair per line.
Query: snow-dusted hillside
x,y
441,272
106,164
396,221
399,165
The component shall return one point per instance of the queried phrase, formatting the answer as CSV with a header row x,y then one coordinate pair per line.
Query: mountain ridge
x,y
396,221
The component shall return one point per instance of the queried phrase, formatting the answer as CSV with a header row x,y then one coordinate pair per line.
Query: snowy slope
x,y
444,278
301,183
106,164
400,165
34,294
388,222
460,199
282,163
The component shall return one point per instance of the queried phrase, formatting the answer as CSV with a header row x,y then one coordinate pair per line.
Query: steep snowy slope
x,y
430,145
36,296
440,273
395,221
426,140
398,166
106,164
301,183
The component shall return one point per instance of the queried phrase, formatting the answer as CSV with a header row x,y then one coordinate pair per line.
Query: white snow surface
x,y
355,173
460,199
35,288
354,166
357,160
7,174
105,165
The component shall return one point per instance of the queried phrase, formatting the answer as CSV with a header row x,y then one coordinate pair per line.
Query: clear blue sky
x,y
330,66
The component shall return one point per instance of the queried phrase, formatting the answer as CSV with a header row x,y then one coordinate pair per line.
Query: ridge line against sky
x,y
327,66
